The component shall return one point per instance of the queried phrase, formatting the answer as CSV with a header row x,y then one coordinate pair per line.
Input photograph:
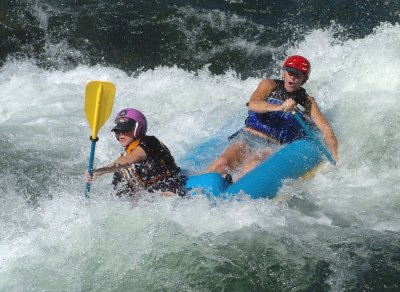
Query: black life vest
x,y
158,172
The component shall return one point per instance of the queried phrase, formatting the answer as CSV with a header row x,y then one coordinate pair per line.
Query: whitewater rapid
x,y
52,237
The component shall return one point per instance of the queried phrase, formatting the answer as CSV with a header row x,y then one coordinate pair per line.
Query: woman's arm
x,y
323,125
258,102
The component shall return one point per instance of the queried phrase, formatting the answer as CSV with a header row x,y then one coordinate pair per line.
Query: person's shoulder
x,y
149,144
149,139
269,84
152,144
266,86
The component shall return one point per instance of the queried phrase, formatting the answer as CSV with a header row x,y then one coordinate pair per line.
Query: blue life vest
x,y
281,126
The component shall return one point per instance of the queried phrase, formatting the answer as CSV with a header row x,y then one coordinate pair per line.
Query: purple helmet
x,y
128,119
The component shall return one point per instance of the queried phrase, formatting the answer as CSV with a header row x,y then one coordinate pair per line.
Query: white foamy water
x,y
54,239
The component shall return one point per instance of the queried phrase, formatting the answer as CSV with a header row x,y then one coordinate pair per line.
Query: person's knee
x,y
230,159
254,161
222,162
250,165
220,165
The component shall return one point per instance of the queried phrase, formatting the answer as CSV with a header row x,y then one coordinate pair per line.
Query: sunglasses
x,y
294,72
117,132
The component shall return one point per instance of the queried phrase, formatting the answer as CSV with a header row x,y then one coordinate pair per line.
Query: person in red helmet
x,y
270,122
146,164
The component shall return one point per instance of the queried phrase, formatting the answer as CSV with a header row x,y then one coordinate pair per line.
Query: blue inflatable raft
x,y
291,162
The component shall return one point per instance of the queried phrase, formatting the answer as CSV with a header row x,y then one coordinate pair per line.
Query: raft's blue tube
x,y
291,162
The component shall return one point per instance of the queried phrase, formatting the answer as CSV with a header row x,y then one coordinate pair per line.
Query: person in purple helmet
x,y
146,164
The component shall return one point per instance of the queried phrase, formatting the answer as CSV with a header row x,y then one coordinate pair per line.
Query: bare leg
x,y
230,158
255,160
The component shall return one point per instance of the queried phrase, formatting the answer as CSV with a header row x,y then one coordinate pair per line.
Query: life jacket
x,y
158,172
278,125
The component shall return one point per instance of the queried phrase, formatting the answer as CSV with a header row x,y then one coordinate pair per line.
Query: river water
x,y
191,66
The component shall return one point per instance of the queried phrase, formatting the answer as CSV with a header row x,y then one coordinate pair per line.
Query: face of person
x,y
125,138
292,81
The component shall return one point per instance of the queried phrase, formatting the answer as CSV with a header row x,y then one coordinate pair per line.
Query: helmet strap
x,y
136,130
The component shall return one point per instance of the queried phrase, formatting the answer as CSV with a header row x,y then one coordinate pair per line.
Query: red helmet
x,y
298,63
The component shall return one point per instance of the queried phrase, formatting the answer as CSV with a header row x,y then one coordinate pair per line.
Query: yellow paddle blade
x,y
99,100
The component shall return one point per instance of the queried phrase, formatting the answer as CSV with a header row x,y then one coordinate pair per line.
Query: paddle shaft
x,y
94,137
90,164
314,138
